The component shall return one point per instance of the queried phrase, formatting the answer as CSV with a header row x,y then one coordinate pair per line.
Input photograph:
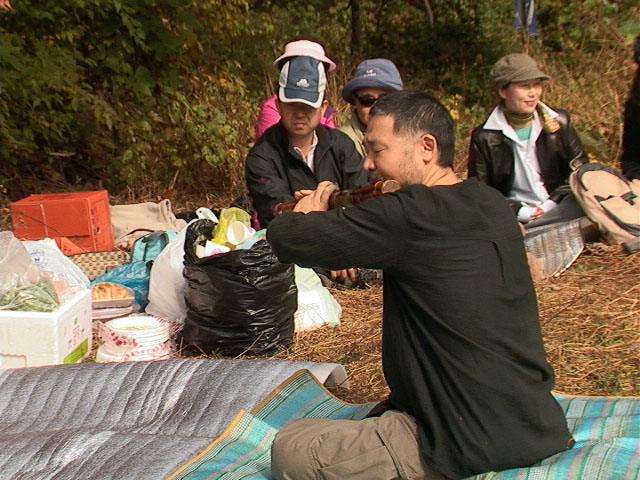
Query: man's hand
x,y
314,200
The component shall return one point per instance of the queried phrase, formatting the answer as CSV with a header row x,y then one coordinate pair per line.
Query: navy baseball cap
x,y
302,79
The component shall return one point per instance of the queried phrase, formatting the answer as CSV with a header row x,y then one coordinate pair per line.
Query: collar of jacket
x,y
284,147
355,122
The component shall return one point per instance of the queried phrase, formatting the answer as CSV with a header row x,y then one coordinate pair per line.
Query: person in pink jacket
x,y
269,114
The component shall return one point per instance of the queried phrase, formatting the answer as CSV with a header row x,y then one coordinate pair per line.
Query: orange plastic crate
x,y
78,221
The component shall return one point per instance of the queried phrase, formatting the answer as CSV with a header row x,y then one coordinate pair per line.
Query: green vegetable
x,y
38,296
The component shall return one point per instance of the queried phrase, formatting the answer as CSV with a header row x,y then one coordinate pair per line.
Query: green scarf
x,y
549,124
518,120
521,120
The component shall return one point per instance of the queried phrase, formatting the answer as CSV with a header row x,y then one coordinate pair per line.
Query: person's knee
x,y
289,453
280,455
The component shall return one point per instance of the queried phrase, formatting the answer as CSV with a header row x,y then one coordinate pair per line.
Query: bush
x,y
125,93
119,91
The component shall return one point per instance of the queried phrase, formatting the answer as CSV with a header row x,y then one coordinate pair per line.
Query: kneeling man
x,y
462,349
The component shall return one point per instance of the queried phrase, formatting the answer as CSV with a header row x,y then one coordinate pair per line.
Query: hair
x,y
418,113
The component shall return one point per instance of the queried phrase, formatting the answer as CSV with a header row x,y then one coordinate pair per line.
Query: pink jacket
x,y
269,116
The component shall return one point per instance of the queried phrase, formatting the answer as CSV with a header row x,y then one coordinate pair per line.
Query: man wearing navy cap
x,y
298,153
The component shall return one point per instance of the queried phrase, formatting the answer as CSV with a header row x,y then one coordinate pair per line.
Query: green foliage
x,y
87,85
581,25
117,93
454,54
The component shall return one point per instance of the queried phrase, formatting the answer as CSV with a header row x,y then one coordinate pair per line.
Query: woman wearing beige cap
x,y
525,148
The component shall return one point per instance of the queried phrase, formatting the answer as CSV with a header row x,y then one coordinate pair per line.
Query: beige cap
x,y
515,67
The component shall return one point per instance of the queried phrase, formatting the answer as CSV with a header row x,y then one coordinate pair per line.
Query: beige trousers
x,y
377,448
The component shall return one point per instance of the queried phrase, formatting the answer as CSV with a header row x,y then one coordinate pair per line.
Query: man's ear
x,y
428,145
323,106
502,93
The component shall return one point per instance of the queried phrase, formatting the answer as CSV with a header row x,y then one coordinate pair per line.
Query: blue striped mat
x,y
606,430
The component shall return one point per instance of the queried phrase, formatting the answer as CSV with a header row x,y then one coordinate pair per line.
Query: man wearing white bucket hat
x,y
298,152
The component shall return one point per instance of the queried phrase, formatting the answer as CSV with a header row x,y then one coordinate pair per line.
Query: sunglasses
x,y
368,100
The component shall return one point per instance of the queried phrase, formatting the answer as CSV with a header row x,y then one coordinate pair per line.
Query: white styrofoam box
x,y
31,339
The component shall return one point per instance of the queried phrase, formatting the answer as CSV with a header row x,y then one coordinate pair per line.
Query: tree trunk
x,y
356,42
427,6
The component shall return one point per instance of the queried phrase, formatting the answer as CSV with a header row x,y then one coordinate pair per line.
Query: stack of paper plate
x,y
134,338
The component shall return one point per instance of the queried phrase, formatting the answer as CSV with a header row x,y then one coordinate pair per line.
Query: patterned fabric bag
x,y
609,200
94,264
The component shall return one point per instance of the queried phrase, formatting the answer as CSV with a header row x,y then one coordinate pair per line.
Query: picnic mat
x,y
557,245
606,430
129,420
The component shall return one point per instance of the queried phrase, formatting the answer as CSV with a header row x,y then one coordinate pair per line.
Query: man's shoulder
x,y
468,187
347,127
334,135
273,139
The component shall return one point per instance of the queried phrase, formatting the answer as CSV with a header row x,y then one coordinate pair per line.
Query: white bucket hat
x,y
305,48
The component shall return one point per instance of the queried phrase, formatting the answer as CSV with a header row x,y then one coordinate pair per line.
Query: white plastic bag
x,y
16,266
166,284
48,257
23,286
316,305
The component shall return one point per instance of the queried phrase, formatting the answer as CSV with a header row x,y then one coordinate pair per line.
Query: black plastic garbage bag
x,y
239,302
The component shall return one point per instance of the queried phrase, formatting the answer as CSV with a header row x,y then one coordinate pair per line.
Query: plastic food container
x,y
110,295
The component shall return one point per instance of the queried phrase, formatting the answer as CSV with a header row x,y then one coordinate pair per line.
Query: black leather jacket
x,y
631,132
491,158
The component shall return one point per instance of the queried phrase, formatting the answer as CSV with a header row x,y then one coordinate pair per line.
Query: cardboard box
x,y
78,221
31,339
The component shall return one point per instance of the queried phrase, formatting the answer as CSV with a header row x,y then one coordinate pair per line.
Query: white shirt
x,y
309,158
528,187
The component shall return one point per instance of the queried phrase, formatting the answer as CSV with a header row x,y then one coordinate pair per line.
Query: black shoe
x,y
368,277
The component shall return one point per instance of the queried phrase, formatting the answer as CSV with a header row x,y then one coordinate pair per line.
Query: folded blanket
x,y
606,430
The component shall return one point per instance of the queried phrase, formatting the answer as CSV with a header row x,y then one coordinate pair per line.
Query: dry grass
x,y
591,323
590,319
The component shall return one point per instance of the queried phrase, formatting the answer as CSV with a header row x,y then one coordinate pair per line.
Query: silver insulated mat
x,y
129,420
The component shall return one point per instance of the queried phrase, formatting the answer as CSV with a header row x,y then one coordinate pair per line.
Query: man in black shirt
x,y
462,349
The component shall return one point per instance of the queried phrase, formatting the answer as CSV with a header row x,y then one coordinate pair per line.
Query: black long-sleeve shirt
x,y
631,134
462,347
